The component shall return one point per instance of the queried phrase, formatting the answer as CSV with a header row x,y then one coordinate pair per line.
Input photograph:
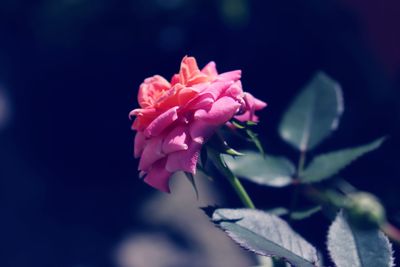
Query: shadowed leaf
x,y
314,114
266,234
270,171
349,246
329,164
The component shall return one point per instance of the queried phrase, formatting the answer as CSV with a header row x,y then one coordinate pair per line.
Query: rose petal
x,y
235,90
143,118
158,177
186,94
161,122
189,73
175,79
216,89
200,102
188,68
252,104
210,69
150,89
140,142
221,111
141,112
230,75
185,160
151,153
259,104
200,131
175,140
247,116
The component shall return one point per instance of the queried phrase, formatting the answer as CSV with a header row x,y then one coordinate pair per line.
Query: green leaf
x,y
329,164
349,246
304,214
314,114
270,171
266,234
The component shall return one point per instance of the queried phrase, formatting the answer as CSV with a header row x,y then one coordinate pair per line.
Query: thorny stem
x,y
233,180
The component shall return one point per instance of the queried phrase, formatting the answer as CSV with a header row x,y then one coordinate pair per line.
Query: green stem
x,y
240,191
301,163
300,167
219,162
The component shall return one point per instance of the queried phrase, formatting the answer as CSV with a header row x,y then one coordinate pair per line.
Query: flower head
x,y
176,118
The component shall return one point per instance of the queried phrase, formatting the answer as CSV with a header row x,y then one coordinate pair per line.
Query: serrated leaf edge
x,y
379,143
241,244
329,236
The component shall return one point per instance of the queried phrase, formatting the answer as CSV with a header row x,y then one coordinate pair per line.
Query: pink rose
x,y
176,118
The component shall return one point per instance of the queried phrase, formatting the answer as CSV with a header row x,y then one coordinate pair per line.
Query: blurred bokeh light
x,y
5,108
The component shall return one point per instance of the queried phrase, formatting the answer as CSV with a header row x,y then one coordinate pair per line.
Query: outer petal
x,y
161,122
200,131
210,69
235,91
176,140
158,177
151,153
140,143
259,104
142,112
221,111
143,118
230,75
184,160
247,116
252,104
217,89
203,101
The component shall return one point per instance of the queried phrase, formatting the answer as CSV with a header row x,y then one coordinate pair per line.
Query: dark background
x,y
69,74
